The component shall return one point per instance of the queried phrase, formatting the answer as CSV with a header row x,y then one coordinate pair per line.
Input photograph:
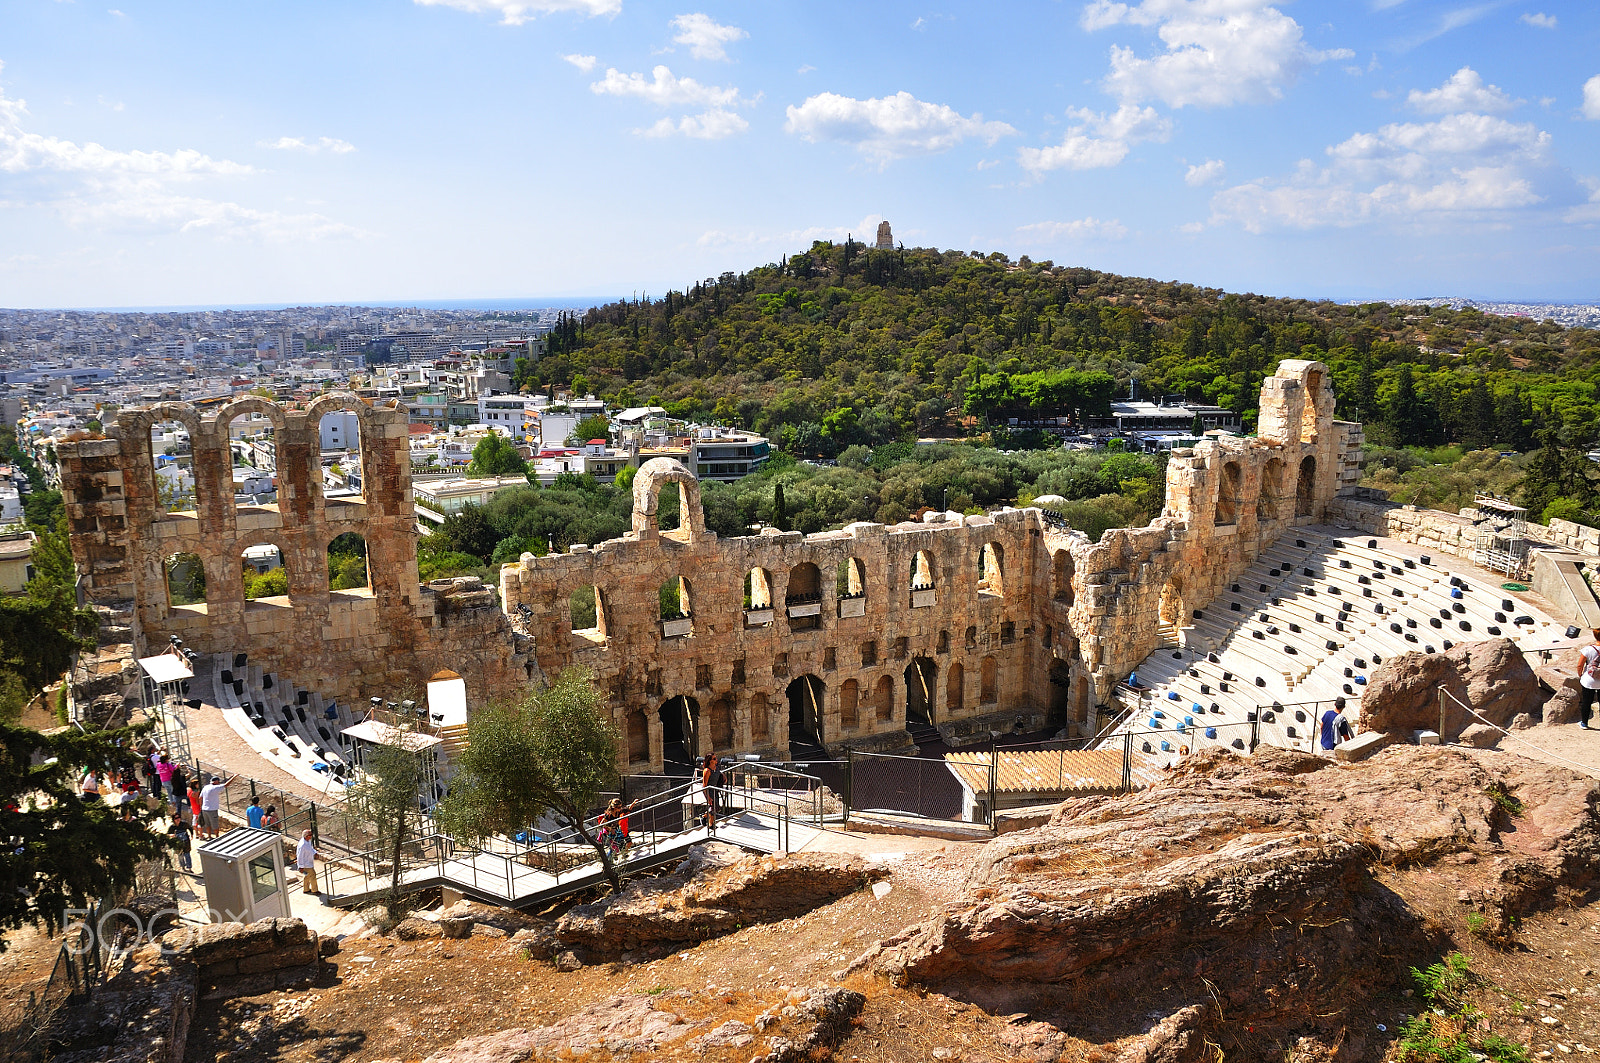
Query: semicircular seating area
x,y
297,730
1301,630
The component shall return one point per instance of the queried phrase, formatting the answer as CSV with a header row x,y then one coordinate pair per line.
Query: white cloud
x,y
664,90
1462,163
705,37
516,12
889,127
715,124
1204,173
1464,91
1539,20
1095,141
1218,52
584,63
1591,98
805,69
338,147
92,185
1090,228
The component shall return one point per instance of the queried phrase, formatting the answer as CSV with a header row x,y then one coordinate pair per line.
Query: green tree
x,y
551,753
41,631
594,426
274,581
495,455
780,508
387,796
62,852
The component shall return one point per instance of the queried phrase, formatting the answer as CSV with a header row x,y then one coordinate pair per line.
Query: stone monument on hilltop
x,y
885,237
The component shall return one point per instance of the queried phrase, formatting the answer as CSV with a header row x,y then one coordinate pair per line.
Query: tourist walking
x,y
184,841
712,782
211,806
270,821
1588,679
165,769
305,859
255,814
194,806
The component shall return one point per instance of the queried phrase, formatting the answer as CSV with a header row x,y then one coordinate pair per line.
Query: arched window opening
x,y
339,442
760,719
971,637
263,575
849,705
805,711
186,579
722,723
757,597
638,737
587,609
1269,504
676,607
944,642
989,689
991,576
172,464
922,583
803,597
922,680
670,504
1305,491
1228,494
1061,572
253,453
850,587
347,563
954,691
679,717
1308,413
1060,689
883,700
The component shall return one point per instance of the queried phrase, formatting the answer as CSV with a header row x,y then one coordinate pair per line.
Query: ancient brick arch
x,y
655,474
334,402
139,482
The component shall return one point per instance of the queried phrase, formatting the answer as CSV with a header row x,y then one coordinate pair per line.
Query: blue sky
x,y
251,152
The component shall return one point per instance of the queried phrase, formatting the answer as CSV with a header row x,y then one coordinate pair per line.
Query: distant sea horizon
x,y
530,303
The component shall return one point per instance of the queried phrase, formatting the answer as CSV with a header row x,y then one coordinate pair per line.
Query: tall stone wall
x,y
1019,616
345,643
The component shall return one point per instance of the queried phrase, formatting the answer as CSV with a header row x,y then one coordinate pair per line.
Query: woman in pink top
x,y
164,770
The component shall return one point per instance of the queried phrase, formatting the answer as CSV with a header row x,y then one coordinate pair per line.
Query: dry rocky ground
x,y
1260,908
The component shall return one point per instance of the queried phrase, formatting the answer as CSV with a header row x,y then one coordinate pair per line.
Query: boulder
x,y
455,927
1522,721
508,919
415,929
1481,736
707,896
1402,694
1565,690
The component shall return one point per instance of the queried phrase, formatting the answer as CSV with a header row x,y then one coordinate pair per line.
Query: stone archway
x,y
655,474
805,696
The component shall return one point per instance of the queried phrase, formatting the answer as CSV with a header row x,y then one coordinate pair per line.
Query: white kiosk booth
x,y
244,876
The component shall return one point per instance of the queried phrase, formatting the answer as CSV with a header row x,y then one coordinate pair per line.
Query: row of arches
x,y
262,573
861,705
1274,500
802,594
238,456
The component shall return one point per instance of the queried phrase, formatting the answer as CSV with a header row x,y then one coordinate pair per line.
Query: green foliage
x,y
386,796
186,579
266,584
62,852
495,455
1443,478
594,426
1504,799
43,511
61,705
347,562
40,631
1448,1030
550,753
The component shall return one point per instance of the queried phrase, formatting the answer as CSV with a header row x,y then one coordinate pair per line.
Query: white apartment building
x,y
508,414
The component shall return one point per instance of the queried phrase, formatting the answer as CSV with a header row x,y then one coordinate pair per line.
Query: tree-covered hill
x,y
842,345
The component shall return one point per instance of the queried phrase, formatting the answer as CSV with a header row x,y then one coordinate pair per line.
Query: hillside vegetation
x,y
840,345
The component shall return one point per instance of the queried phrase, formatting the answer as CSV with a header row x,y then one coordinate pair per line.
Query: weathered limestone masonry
x,y
344,643
1228,499
960,622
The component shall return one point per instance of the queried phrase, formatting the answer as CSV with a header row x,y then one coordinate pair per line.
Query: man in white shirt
x,y
305,857
211,806
1588,679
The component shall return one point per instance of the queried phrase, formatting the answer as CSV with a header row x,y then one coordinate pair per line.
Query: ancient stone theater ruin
x,y
853,638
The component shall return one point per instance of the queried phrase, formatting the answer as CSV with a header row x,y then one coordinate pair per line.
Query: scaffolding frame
x,y
1501,541
163,694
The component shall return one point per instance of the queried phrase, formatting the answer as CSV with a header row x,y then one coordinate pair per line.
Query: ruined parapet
x,y
342,642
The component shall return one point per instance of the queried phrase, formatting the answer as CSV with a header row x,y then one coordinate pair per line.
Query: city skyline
x,y
545,150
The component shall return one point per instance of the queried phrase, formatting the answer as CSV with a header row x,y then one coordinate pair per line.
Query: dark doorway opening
x,y
805,714
679,718
922,678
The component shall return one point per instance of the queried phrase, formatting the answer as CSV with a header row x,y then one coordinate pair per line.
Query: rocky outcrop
x,y
1403,693
792,1028
1252,881
707,896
